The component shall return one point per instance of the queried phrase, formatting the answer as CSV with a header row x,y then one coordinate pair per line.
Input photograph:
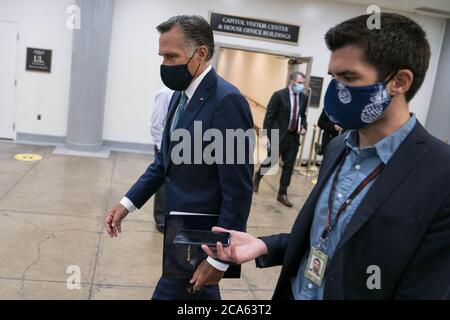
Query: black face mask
x,y
177,77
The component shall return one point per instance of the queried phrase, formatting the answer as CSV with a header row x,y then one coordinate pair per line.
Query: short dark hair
x,y
399,43
197,31
295,74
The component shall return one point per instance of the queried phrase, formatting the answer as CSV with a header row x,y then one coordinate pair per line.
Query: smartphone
x,y
199,237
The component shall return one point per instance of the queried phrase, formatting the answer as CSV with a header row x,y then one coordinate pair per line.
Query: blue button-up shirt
x,y
358,164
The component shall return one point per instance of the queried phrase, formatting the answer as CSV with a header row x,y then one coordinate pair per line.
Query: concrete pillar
x,y
90,56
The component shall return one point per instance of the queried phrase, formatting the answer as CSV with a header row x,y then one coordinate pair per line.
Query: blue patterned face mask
x,y
355,107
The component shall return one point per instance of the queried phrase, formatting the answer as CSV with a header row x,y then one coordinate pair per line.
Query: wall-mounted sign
x,y
39,60
255,28
315,83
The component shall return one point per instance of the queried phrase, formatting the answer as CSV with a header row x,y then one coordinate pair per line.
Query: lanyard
x,y
375,173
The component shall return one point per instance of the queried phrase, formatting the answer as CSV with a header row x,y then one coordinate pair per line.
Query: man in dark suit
x,y
379,215
286,113
202,101
330,131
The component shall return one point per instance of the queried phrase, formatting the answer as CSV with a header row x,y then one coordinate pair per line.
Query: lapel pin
x,y
201,98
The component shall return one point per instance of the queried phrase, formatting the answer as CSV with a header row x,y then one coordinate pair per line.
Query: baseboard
x,y
47,140
38,139
147,148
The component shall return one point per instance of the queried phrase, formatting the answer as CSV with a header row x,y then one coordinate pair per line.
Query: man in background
x,y
330,130
157,122
286,112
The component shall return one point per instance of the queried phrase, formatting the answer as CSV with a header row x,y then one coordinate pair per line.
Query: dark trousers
x,y
288,153
176,289
159,204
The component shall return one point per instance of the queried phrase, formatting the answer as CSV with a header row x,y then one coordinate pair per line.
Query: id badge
x,y
315,269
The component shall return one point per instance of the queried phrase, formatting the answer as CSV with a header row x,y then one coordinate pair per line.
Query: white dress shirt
x,y
131,207
194,84
159,114
292,97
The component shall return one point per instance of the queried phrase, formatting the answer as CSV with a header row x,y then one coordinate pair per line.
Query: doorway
x,y
258,73
8,56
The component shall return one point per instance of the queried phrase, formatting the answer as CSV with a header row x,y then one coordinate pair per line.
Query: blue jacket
x,y
224,189
401,226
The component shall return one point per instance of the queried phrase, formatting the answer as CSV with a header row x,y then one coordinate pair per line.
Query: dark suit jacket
x,y
329,132
278,113
402,225
224,189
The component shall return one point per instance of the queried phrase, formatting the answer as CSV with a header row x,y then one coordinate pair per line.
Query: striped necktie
x,y
180,109
293,125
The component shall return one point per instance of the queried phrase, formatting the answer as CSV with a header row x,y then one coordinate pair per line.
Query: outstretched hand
x,y
243,247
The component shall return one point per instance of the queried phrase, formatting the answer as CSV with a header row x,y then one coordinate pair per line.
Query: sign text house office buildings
x,y
255,28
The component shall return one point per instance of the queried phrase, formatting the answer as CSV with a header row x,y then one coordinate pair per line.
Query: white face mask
x,y
298,87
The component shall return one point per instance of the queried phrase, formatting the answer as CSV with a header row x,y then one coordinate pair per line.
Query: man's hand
x,y
243,247
266,142
205,274
303,131
113,220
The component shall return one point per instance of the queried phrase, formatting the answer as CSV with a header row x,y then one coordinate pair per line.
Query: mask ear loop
x,y
191,57
190,61
390,77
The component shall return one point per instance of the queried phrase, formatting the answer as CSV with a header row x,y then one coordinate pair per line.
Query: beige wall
x,y
257,75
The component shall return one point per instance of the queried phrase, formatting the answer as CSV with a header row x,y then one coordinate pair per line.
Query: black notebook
x,y
181,260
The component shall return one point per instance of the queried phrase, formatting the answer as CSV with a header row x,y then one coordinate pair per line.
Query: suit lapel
x,y
173,106
194,106
403,161
303,101
326,171
287,99
301,98
311,202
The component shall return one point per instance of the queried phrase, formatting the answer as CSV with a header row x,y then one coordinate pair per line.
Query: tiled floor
x,y
51,217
